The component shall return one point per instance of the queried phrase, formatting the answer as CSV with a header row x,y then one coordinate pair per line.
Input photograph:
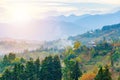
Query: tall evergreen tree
x,y
57,68
7,75
15,72
107,75
11,56
46,69
37,68
30,69
69,65
99,76
51,69
76,72
5,60
22,72
103,74
18,72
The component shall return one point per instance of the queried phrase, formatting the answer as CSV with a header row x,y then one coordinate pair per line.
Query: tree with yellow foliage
x,y
88,76
77,45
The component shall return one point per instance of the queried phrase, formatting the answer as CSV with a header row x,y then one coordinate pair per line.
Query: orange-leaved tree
x,y
88,76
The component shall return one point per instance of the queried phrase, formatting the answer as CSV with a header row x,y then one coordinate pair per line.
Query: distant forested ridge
x,y
109,32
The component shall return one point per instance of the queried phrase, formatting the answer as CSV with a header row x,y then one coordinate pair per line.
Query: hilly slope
x,y
109,32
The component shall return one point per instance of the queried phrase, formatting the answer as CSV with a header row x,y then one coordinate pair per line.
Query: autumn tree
x,y
77,45
88,76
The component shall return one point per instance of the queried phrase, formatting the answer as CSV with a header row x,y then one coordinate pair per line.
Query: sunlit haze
x,y
28,19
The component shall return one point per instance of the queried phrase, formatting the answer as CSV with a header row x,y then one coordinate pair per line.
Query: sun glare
x,y
20,18
20,15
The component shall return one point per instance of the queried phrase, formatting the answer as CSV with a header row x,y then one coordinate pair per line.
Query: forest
x,y
77,62
59,39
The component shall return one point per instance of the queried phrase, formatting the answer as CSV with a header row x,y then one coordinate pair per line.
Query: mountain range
x,y
73,25
56,27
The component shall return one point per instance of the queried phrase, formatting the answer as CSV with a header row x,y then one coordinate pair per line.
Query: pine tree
x,y
5,60
57,68
99,76
22,60
18,72
22,72
11,56
76,73
7,75
106,74
46,69
30,69
103,74
15,72
51,69
68,69
37,68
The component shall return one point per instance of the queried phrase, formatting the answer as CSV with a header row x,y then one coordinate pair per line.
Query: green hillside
x,y
109,32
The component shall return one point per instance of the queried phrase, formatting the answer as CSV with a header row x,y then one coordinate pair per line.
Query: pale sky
x,y
20,12
41,8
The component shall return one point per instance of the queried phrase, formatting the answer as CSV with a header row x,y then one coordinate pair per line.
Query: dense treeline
x,y
111,27
49,69
75,63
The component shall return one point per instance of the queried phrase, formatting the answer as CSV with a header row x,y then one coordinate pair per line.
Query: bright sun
x,y
20,18
20,15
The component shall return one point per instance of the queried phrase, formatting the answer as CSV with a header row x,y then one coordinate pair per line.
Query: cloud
x,y
87,1
61,5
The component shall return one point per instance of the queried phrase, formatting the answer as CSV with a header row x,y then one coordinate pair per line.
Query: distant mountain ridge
x,y
56,27
73,25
